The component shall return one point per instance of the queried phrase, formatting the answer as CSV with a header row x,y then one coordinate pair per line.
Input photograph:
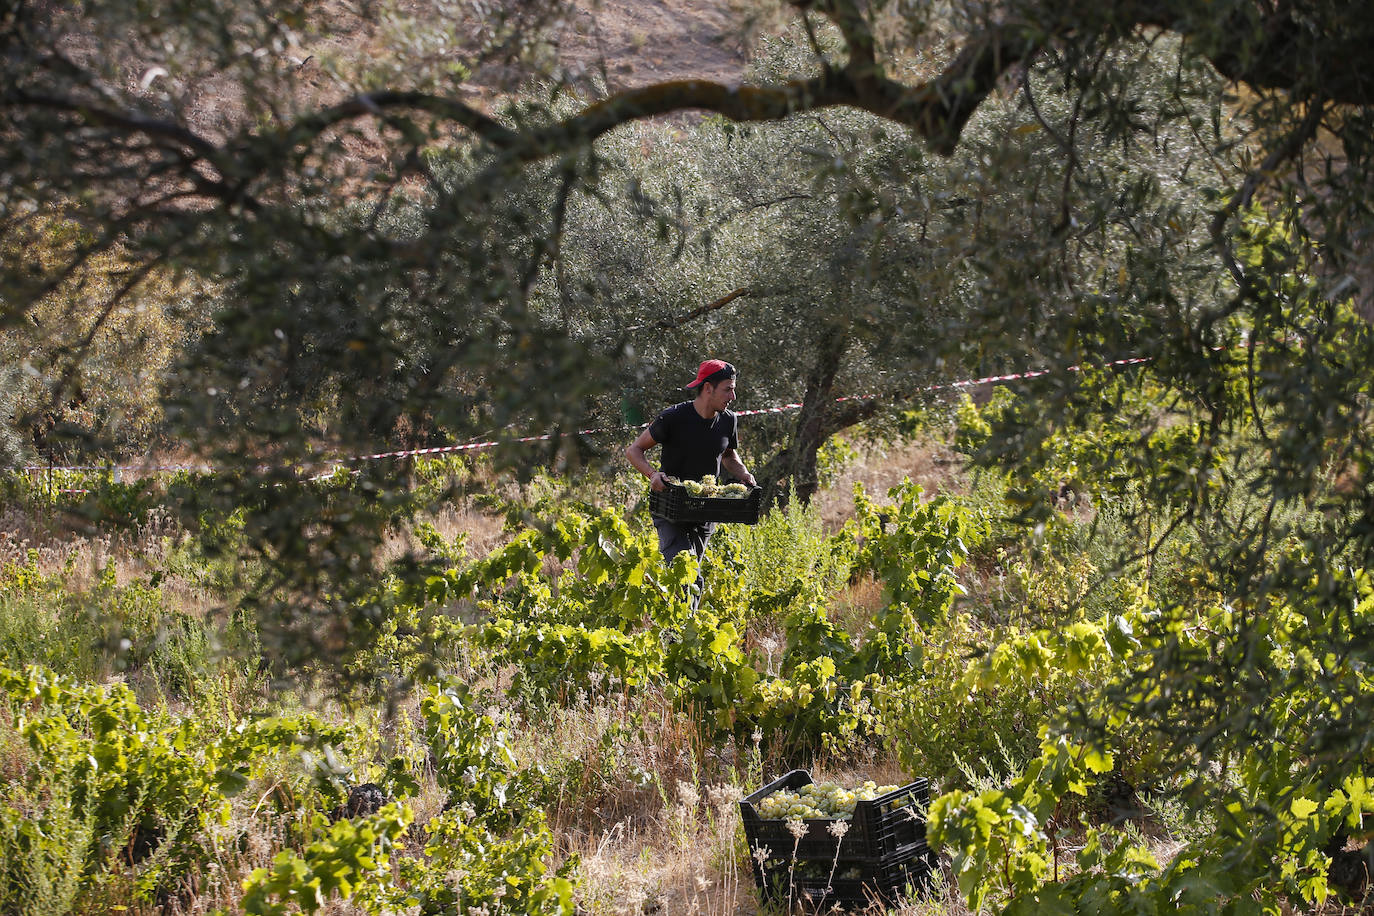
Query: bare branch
x,y
1290,147
760,205
372,103
1040,118
937,110
694,314
168,133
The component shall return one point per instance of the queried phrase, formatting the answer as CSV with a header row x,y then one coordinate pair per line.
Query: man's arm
x,y
731,463
635,453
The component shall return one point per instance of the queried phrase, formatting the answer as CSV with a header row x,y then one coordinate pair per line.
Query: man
x,y
698,438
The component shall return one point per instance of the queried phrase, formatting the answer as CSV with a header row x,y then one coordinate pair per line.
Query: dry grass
x,y
681,852
684,861
483,531
480,533
63,544
857,604
653,813
882,466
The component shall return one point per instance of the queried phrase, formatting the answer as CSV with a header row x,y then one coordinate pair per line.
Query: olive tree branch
x,y
1289,148
680,320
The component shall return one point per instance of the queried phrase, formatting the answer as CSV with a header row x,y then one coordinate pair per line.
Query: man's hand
x,y
635,454
731,463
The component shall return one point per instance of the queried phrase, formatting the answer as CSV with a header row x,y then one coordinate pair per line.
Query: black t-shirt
x,y
692,446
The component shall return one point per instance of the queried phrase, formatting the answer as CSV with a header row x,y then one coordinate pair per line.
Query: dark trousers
x,y
674,538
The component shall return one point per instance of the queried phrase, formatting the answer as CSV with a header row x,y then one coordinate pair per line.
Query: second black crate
x,y
819,885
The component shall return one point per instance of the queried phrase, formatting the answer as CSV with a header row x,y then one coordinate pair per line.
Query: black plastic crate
x,y
819,885
677,505
878,828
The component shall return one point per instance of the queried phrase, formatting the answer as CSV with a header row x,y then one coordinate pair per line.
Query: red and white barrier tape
x,y
492,443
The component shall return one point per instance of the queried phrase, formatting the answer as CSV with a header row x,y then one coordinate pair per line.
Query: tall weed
x,y
91,634
789,557
47,842
938,722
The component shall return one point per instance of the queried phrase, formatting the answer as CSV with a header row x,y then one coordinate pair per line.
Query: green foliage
x,y
491,833
1136,439
440,477
120,505
834,455
939,721
598,616
108,628
1001,838
786,557
104,788
43,625
1174,641
46,843
136,785
912,548
510,873
1272,814
490,846
345,856
471,759
971,428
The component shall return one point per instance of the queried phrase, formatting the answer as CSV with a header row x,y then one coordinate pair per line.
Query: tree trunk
x,y
811,433
819,419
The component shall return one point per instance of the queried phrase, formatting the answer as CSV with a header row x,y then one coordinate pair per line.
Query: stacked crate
x,y
879,857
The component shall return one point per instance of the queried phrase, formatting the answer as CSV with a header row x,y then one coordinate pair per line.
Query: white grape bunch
x,y
709,486
823,800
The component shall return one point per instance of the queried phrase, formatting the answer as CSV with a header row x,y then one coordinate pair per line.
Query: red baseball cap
x,y
713,371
